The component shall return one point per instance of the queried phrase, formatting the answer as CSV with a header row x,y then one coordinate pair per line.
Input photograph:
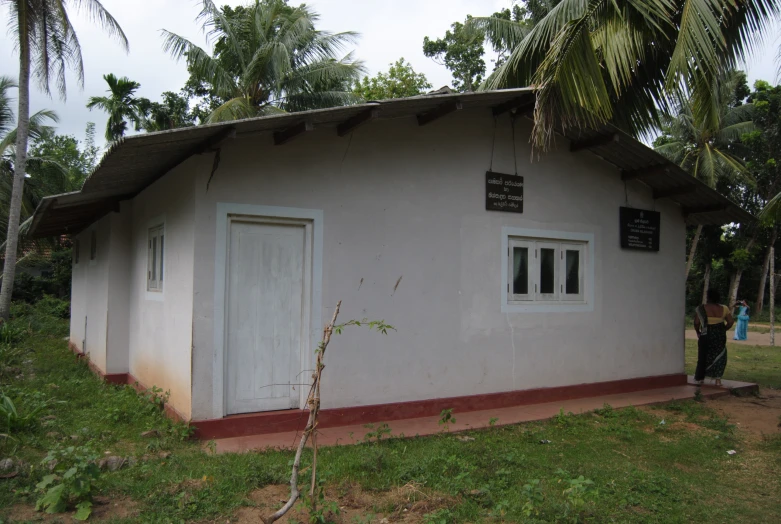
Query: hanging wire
x,y
493,148
626,195
346,150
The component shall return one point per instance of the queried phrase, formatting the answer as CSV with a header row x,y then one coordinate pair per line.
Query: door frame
x,y
313,220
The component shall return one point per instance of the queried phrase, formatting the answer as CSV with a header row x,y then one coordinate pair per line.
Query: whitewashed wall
x,y
89,294
408,201
160,326
118,300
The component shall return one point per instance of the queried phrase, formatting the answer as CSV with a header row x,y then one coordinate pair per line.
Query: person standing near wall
x,y
741,331
712,321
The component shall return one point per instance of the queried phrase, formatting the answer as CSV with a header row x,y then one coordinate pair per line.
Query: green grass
x,y
642,470
760,364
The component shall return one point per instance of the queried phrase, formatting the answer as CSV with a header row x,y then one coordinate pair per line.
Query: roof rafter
x,y
286,135
438,112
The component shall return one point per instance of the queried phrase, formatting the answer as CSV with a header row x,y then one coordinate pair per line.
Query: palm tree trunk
x,y
733,292
760,303
20,165
693,250
706,283
772,296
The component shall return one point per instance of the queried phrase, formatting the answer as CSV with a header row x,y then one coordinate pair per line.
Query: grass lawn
x,y
760,364
663,464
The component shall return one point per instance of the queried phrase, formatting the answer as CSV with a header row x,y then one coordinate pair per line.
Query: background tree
x,y
763,145
461,50
709,148
46,41
400,81
171,113
38,127
121,105
268,57
592,63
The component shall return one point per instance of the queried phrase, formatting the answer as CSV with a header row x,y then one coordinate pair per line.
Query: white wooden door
x,y
266,315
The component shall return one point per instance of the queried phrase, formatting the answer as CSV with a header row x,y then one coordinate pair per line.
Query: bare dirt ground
x,y
756,415
104,509
408,503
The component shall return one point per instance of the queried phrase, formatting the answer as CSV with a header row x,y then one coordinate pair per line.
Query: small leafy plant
x,y
446,418
492,421
9,334
321,511
376,433
157,398
70,484
11,420
373,325
578,492
532,495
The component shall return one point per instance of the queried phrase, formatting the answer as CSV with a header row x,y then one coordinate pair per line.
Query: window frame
x,y
522,244
155,259
561,242
580,249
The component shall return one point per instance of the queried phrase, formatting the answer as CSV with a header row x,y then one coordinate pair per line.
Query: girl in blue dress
x,y
741,331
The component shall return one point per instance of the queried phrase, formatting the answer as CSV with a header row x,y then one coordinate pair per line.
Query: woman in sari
x,y
711,321
741,331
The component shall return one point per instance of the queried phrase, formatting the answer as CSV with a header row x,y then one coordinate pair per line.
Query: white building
x,y
208,259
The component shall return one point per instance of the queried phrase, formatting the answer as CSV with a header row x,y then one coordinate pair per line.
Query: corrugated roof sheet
x,y
137,161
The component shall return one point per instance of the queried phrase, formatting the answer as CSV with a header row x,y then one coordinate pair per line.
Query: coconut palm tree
x,y
599,61
32,193
269,57
121,105
707,143
48,43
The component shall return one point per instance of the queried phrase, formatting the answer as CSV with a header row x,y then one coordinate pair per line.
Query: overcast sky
x,y
389,29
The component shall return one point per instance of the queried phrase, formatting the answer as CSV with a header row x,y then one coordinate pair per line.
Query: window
x,y
156,258
545,271
93,246
75,249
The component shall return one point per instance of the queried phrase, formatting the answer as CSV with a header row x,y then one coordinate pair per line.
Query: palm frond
x,y
771,213
99,14
215,24
735,131
502,33
199,61
234,109
571,90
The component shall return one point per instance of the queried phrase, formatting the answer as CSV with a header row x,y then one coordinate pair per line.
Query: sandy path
x,y
754,338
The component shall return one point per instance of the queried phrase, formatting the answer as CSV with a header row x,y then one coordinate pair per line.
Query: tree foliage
x,y
172,112
710,149
462,53
764,148
400,81
592,63
267,57
121,105
47,46
461,50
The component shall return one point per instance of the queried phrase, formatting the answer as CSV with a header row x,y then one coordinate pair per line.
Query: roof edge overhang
x,y
135,162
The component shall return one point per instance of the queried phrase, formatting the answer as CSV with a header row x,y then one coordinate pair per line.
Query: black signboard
x,y
503,192
639,229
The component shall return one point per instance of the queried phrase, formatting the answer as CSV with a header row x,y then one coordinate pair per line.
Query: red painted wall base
x,y
292,420
120,379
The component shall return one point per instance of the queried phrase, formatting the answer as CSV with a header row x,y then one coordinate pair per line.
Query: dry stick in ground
x,y
313,401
